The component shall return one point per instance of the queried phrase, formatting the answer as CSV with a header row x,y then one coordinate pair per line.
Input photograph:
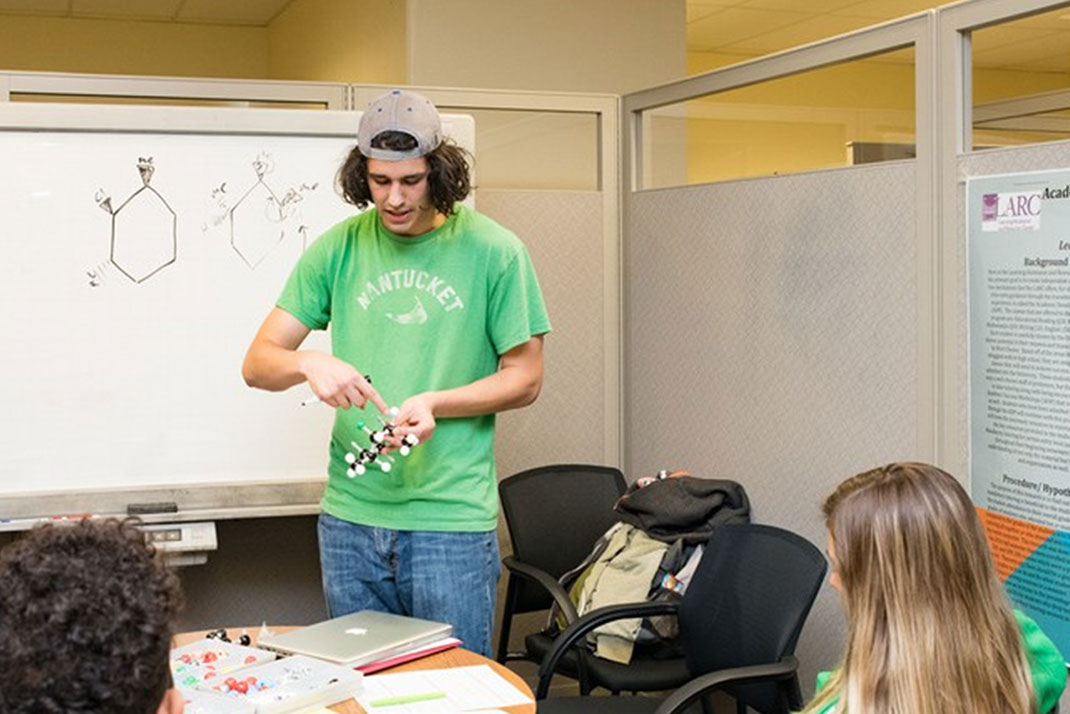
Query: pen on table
x,y
407,699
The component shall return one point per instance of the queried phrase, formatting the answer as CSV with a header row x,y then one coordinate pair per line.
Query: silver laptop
x,y
357,639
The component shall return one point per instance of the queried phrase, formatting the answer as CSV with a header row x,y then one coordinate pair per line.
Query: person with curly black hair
x,y
86,620
441,306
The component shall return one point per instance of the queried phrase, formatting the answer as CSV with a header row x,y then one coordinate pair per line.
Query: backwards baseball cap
x,y
403,111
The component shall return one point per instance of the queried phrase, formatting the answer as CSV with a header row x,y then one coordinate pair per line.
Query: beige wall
x,y
132,47
614,46
340,41
315,40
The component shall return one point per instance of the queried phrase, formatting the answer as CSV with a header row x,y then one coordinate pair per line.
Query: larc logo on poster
x,y
1015,211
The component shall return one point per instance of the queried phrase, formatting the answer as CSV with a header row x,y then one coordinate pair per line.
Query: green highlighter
x,y
406,699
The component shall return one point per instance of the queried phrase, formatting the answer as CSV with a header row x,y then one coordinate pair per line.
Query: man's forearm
x,y
508,388
273,367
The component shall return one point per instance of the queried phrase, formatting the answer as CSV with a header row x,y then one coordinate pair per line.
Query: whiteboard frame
x,y
331,95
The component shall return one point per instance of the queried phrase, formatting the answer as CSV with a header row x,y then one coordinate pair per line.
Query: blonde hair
x,y
930,629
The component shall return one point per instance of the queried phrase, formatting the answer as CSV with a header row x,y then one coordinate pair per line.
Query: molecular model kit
x,y
288,685
361,457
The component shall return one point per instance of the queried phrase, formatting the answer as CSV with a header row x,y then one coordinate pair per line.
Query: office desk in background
x,y
456,657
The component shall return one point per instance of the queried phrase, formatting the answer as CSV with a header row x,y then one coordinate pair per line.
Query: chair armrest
x,y
595,618
685,695
547,581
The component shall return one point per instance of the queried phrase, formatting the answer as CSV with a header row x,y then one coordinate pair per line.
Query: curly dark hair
x,y
86,620
448,178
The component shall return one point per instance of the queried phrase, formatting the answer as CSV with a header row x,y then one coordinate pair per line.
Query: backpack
x,y
650,554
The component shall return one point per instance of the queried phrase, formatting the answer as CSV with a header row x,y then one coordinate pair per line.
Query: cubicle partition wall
x,y
571,421
778,329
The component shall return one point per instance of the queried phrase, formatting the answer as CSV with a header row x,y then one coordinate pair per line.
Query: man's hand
x,y
337,383
415,416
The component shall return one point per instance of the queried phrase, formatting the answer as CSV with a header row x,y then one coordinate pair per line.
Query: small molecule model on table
x,y
361,457
221,634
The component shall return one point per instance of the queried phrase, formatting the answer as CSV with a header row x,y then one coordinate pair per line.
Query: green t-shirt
x,y
1046,665
429,312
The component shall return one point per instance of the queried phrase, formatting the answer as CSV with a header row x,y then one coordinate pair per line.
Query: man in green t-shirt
x,y
441,307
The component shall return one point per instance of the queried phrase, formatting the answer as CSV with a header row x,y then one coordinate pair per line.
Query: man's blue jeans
x,y
448,577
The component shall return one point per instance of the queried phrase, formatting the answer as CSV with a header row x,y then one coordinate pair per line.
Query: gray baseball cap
x,y
404,111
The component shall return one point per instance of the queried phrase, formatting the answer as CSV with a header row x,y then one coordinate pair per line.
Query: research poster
x,y
1018,233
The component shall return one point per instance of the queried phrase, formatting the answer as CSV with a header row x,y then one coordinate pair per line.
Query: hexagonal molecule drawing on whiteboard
x,y
259,220
144,231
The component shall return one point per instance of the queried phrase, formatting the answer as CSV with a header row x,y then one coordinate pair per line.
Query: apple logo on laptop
x,y
357,631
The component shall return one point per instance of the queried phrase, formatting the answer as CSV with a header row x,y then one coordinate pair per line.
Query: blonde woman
x,y
929,627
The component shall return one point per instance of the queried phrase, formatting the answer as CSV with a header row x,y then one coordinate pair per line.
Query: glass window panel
x,y
1021,81
855,112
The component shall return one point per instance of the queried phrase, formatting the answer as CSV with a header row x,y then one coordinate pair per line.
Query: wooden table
x,y
456,657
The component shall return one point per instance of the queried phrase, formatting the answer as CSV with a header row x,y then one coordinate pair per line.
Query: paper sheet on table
x,y
466,689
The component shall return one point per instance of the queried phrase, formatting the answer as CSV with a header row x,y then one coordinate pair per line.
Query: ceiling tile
x,y
814,7
997,36
126,9
881,10
797,33
243,12
697,12
1051,20
43,7
1050,48
735,24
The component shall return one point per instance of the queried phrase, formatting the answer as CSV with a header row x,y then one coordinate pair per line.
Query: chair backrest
x,y
747,603
554,515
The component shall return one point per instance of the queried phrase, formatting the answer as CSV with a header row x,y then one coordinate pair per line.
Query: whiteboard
x,y
142,248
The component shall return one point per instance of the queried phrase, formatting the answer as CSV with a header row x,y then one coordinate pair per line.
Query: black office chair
x,y
554,515
739,622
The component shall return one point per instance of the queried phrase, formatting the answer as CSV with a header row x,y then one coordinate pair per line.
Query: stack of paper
x,y
439,691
